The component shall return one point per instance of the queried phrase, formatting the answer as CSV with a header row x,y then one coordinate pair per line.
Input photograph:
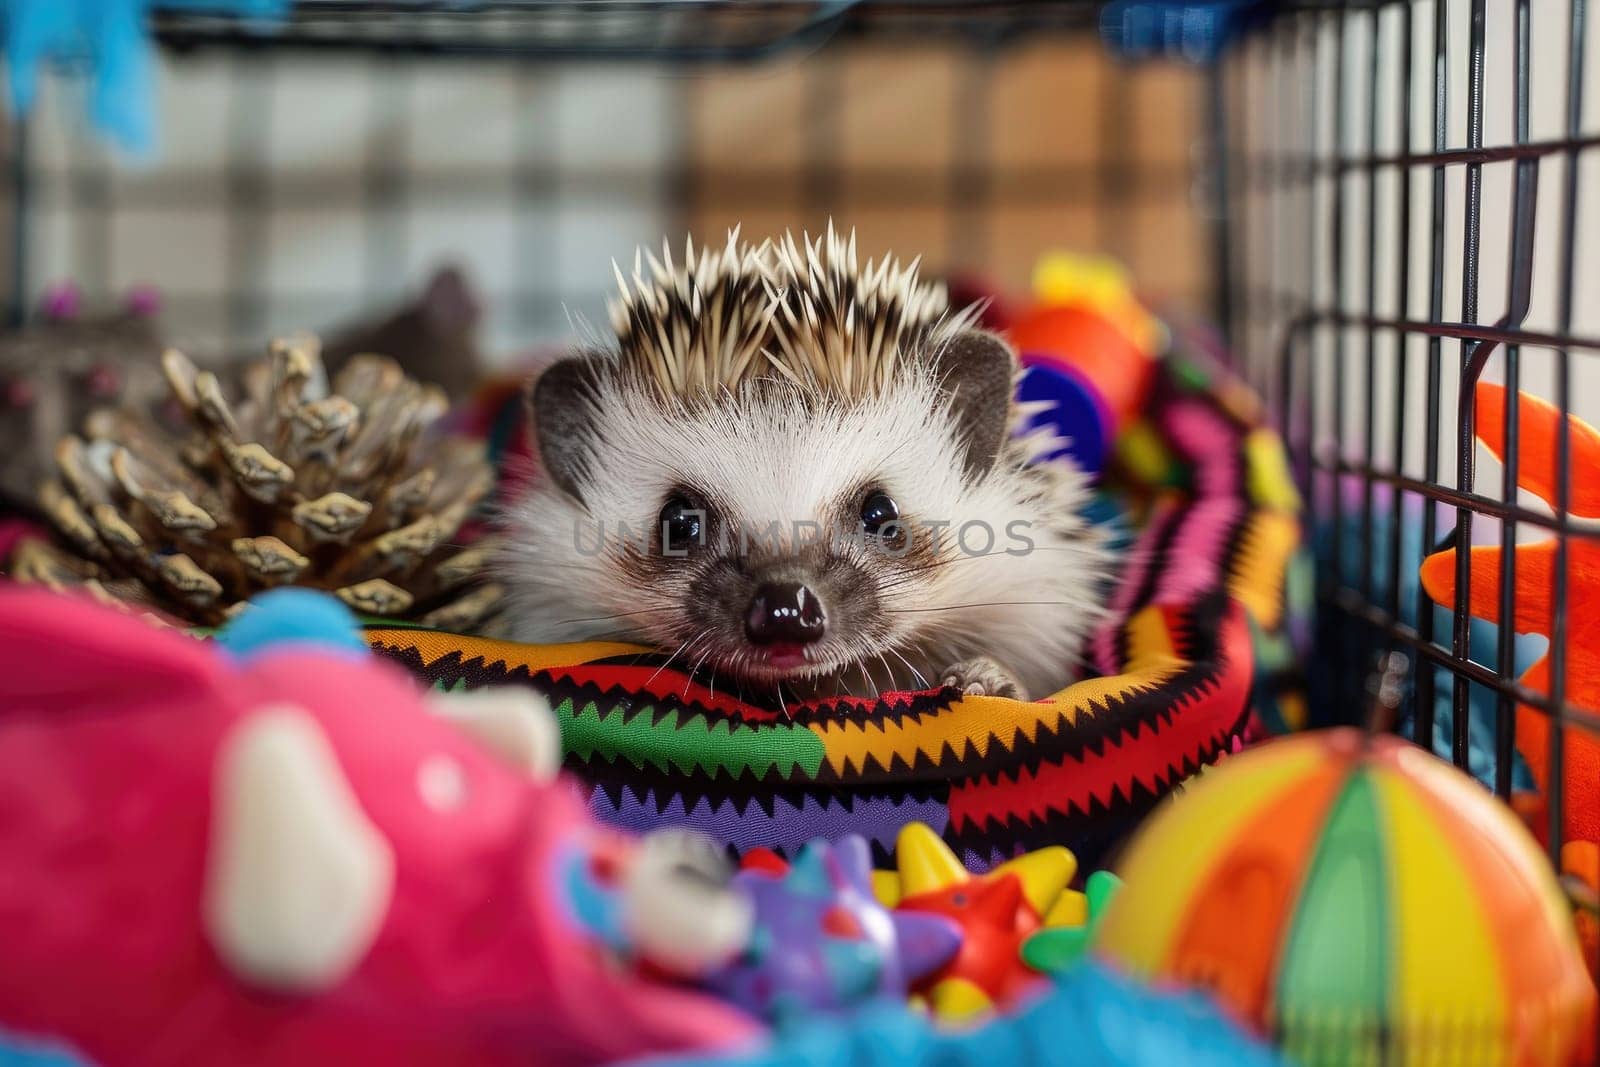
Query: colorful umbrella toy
x,y
1360,901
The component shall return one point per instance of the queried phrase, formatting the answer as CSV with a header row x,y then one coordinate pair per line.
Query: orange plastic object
x,y
1533,596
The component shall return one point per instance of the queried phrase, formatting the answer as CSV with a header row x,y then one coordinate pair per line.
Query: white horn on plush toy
x,y
298,879
514,723
679,909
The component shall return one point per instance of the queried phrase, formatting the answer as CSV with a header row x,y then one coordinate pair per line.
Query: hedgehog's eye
x,y
880,515
683,522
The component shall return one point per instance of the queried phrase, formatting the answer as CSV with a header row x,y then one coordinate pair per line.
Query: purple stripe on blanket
x,y
786,829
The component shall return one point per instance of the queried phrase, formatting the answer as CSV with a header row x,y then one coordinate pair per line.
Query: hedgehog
x,y
805,475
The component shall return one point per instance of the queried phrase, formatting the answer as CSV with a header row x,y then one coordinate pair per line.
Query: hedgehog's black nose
x,y
784,613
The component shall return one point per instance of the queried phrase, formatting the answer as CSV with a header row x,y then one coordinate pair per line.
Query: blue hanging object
x,y
110,41
1197,30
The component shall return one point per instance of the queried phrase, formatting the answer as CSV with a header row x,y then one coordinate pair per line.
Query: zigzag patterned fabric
x,y
1200,652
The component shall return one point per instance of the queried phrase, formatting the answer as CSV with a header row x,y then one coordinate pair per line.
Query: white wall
x,y
532,180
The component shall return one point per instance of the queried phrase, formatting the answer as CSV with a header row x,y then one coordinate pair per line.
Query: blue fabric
x,y
1091,1017
108,38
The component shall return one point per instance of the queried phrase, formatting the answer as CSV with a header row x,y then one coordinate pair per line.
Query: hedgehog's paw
x,y
982,676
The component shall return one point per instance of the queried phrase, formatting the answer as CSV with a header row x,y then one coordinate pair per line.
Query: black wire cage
x,y
1409,221
1392,197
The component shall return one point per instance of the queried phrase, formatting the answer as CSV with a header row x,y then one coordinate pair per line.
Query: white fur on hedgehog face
x,y
768,460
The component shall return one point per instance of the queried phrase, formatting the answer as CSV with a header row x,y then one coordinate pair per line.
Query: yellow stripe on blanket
x,y
433,645
979,722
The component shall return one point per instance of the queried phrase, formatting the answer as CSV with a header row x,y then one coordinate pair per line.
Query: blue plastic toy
x,y
821,943
292,616
1075,412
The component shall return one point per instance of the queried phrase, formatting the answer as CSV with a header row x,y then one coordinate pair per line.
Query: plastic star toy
x,y
1056,948
997,912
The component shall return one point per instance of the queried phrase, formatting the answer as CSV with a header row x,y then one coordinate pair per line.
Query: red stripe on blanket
x,y
1202,723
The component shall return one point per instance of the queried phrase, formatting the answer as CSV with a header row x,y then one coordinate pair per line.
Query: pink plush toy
x,y
295,856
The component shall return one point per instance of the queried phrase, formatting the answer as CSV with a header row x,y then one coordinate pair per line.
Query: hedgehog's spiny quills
x,y
801,309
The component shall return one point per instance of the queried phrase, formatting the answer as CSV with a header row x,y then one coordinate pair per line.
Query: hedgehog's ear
x,y
977,369
561,404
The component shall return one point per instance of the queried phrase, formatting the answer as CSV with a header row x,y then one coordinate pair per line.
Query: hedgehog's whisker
x,y
607,618
865,678
983,604
668,661
906,577
889,670
689,677
921,681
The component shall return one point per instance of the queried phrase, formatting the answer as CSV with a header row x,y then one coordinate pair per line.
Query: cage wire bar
x,y
1313,184
674,31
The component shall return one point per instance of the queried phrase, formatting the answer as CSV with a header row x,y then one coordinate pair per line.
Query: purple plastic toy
x,y
821,942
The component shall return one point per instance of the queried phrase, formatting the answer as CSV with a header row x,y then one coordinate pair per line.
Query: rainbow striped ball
x,y
1360,901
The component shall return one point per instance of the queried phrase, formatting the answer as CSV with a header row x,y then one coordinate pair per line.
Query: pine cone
x,y
339,489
